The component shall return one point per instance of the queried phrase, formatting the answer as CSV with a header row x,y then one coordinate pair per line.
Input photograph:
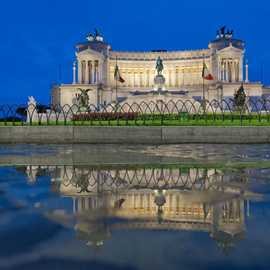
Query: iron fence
x,y
86,179
173,112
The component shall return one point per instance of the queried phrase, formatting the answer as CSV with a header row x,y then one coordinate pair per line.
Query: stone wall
x,y
133,135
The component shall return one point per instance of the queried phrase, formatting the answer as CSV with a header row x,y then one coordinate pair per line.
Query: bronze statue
x,y
221,33
83,98
97,34
159,66
222,30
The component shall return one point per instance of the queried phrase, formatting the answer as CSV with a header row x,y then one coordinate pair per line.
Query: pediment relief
x,y
89,54
230,52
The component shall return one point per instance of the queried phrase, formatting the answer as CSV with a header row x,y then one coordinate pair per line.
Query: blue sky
x,y
37,36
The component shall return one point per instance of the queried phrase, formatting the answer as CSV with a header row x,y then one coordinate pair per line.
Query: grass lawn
x,y
164,120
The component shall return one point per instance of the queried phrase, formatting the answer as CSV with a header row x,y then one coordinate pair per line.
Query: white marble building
x,y
96,60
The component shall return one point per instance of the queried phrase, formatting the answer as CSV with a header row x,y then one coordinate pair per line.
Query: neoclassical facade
x,y
95,64
153,199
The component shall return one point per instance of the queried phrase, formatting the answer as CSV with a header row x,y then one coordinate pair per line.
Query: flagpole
x,y
116,85
203,87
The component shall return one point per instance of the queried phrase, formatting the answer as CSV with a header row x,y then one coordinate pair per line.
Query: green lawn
x,y
166,120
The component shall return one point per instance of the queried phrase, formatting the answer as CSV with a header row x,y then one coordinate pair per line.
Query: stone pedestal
x,y
159,82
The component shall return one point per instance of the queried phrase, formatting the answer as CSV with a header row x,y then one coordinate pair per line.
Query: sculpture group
x,y
83,98
221,33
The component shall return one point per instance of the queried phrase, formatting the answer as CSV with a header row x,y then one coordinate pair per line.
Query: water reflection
x,y
108,199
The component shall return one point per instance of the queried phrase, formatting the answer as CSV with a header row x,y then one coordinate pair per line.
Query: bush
x,y
90,116
11,119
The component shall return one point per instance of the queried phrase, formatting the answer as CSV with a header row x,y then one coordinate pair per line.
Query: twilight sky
x,y
38,36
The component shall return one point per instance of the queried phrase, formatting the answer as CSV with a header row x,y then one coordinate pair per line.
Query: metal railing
x,y
173,112
86,178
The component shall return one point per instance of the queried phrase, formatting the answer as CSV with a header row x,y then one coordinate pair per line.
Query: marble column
x,y
230,71
128,78
151,78
141,78
86,80
100,66
147,78
173,77
234,71
176,77
83,72
74,72
90,67
248,208
169,78
183,77
219,70
97,71
247,79
241,69
93,72
134,78
237,71
80,72
144,78
227,71
222,71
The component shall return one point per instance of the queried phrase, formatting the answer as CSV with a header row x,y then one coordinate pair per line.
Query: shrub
x,y
90,116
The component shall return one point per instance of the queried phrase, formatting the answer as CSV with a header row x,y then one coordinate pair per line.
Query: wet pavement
x,y
135,207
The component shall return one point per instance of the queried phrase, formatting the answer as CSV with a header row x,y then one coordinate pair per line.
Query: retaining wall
x,y
133,135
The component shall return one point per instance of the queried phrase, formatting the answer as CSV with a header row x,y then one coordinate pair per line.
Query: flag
x,y
206,74
117,75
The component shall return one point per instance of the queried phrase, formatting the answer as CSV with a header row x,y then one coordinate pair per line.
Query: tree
x,y
240,99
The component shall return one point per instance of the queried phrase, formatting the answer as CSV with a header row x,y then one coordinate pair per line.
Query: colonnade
x,y
233,211
89,71
144,77
143,202
136,203
229,70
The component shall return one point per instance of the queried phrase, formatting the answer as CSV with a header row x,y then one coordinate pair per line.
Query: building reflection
x,y
109,199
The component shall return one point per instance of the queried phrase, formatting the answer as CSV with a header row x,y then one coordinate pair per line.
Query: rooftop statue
x,y
90,37
221,33
97,34
222,30
159,66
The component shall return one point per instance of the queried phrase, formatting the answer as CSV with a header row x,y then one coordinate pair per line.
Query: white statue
x,y
31,110
31,101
